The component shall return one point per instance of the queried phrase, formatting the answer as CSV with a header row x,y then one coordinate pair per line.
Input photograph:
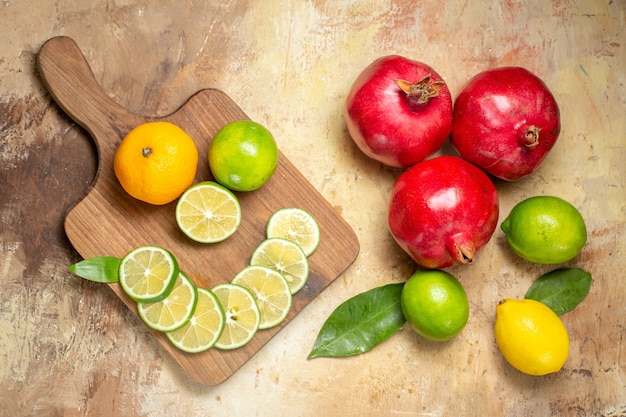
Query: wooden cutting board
x,y
107,221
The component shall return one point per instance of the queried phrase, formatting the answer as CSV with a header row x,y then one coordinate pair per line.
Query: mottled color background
x,y
71,348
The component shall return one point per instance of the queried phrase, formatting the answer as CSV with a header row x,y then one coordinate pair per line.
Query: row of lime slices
x,y
228,315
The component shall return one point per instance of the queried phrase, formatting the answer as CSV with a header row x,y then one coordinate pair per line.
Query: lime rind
x,y
203,329
297,225
241,323
148,274
170,313
199,216
271,292
285,257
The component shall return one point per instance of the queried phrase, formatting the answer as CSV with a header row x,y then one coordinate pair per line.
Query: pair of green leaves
x,y
369,318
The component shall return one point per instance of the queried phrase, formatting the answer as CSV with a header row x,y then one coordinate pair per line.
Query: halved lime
x,y
208,212
242,315
271,292
148,273
286,258
203,328
297,225
174,310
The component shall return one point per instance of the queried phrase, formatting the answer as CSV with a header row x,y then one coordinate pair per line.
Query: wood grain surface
x,y
70,347
110,222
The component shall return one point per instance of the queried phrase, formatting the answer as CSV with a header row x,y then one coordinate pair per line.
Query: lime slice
x,y
296,225
208,212
286,258
172,312
242,315
148,273
271,292
203,328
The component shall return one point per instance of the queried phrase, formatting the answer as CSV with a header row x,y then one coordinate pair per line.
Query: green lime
x,y
545,230
208,212
173,311
148,274
243,316
203,328
296,225
284,257
243,155
271,292
435,304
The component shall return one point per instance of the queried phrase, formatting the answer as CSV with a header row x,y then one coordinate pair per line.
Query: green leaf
x,y
361,323
98,269
562,289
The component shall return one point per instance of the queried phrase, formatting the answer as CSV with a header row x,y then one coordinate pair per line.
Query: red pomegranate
x,y
398,111
442,211
505,120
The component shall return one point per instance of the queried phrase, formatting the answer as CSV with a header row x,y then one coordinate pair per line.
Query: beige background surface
x,y
71,348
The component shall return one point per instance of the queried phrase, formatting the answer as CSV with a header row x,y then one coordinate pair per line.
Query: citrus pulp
x,y
174,310
242,315
203,328
208,212
148,274
271,292
296,225
286,258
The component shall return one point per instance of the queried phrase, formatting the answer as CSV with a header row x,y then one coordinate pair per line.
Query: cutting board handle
x,y
69,79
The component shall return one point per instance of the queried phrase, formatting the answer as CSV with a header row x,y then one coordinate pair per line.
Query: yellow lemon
x,y
531,337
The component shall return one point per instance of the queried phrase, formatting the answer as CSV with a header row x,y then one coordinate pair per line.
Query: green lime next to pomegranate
x,y
243,155
545,230
435,304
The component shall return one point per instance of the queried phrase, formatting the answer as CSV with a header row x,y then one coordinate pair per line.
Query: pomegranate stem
x,y
531,137
422,91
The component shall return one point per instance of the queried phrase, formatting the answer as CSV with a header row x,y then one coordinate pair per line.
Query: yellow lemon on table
x,y
531,337
545,230
243,155
156,162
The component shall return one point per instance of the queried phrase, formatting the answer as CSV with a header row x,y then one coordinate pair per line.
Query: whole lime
x,y
243,155
545,230
531,337
435,304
